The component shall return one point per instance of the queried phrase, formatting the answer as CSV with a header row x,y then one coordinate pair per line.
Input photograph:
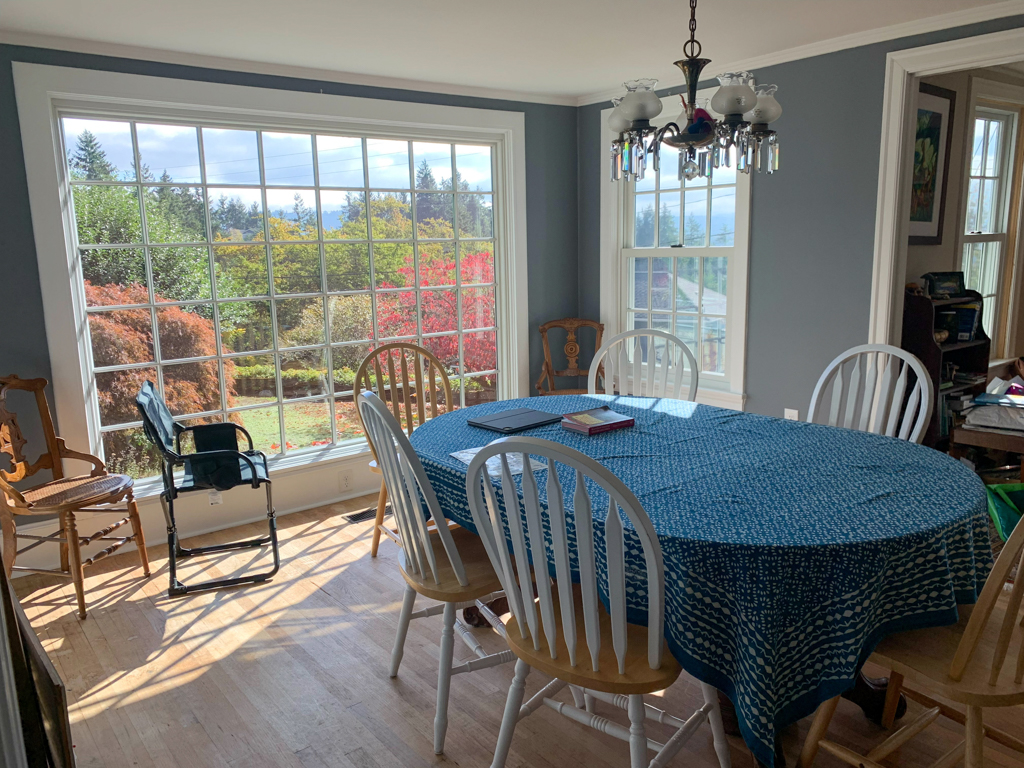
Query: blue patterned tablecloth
x,y
790,549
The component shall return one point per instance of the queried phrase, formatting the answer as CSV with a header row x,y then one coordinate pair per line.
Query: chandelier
x,y
704,143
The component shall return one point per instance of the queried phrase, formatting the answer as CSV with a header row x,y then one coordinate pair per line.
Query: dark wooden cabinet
x,y
921,318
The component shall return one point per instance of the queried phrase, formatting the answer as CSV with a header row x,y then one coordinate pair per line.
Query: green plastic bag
x,y
1005,502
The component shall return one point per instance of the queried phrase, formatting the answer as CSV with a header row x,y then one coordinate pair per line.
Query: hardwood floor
x,y
294,673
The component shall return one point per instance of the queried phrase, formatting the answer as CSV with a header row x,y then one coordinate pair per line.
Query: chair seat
x,y
74,493
923,657
639,677
479,571
188,482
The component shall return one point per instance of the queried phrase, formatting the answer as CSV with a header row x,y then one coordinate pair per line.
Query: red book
x,y
595,421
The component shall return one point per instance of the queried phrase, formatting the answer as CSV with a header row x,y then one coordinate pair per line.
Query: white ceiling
x,y
551,49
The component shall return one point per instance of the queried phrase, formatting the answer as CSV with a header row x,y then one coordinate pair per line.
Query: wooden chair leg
x,y
892,699
140,537
65,563
819,727
10,532
382,503
975,739
75,557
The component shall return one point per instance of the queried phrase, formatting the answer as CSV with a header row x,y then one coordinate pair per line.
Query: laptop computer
x,y
516,420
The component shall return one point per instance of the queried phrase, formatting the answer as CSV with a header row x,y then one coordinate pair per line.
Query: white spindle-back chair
x,y
443,564
662,374
965,663
875,388
564,629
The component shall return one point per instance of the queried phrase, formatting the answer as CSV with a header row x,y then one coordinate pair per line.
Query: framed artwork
x,y
932,142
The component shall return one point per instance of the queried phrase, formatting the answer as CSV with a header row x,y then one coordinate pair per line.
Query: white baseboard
x,y
295,489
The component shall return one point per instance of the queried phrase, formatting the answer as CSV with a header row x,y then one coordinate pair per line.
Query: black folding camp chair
x,y
217,465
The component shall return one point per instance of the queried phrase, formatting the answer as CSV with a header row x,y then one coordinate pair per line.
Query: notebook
x,y
595,421
515,420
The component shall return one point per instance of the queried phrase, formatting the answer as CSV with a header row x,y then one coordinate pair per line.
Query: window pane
x,y
116,392
99,150
186,332
723,216
713,345
475,216
480,351
639,292
253,377
476,262
686,329
434,215
236,215
300,322
340,160
661,283
303,373
180,274
264,425
121,337
445,349
348,267
396,314
973,204
637,320
687,283
130,452
992,148
170,152
245,326
481,389
388,163
231,156
296,268
114,276
351,317
714,293
346,421
107,215
668,220
292,214
307,424
643,228
433,165
347,360
725,174
648,183
391,215
987,212
437,264
695,218
668,176
288,159
344,215
175,215
241,270
192,387
393,265
978,150
474,167
439,311
477,307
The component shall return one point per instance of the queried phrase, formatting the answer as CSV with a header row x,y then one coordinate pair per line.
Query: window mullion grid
x,y
323,292
374,328
460,372
415,244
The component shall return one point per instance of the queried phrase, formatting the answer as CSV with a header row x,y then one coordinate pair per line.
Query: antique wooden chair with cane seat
x,y
965,663
64,497
440,563
658,368
571,326
564,630
416,386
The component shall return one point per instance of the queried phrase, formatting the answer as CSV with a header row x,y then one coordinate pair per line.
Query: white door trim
x,y
902,70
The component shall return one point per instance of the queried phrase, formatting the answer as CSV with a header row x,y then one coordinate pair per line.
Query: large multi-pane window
x,y
985,225
248,272
682,235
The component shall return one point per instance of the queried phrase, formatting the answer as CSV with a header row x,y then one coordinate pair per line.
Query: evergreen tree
x,y
90,161
425,177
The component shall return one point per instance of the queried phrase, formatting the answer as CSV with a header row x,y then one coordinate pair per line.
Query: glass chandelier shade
x,y
704,142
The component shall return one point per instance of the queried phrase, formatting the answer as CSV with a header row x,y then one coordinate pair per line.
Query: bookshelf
x,y
922,316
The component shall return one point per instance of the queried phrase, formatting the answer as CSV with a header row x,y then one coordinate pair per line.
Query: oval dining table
x,y
790,549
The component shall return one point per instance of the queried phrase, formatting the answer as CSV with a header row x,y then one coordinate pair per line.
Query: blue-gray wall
x,y
551,197
812,224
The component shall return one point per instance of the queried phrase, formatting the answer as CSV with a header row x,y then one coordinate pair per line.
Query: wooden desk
x,y
984,438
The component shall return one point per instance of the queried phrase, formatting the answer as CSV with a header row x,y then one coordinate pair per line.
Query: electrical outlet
x,y
345,481
216,498
792,414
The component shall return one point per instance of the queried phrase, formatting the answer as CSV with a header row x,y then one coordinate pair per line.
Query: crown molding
x,y
868,37
164,56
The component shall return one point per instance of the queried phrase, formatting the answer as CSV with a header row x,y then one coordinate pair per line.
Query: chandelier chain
x,y
692,48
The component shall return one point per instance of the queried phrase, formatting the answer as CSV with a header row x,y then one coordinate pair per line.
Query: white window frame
x,y
44,90
727,391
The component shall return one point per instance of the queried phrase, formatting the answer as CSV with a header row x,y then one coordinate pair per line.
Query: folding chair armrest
x,y
248,437
237,454
98,467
